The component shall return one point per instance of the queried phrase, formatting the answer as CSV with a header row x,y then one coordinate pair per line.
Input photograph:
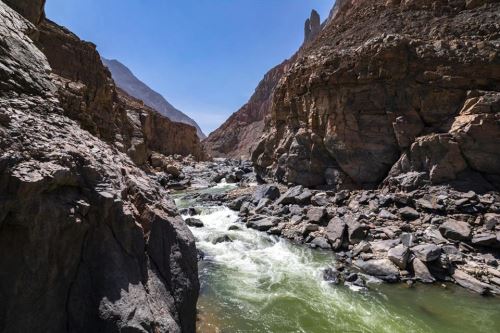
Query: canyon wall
x,y
240,134
391,92
88,241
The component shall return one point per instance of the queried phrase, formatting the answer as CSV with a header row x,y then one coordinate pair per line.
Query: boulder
x,y
491,220
469,282
399,255
262,223
290,196
316,214
192,222
426,252
421,272
270,192
335,231
383,269
408,214
455,230
320,199
487,239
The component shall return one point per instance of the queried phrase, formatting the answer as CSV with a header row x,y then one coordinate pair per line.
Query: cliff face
x,y
89,96
129,83
240,134
403,91
88,241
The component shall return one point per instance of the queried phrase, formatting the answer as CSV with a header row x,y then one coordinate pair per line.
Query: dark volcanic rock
x,y
88,242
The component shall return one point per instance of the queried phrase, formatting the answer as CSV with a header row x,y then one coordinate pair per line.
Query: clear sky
x,y
204,56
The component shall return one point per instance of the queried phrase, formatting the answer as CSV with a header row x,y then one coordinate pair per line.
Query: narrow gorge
x,y
358,189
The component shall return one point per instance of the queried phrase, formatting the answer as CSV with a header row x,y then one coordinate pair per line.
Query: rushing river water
x,y
260,283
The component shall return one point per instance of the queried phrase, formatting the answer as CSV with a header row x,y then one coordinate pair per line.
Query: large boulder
x,y
456,230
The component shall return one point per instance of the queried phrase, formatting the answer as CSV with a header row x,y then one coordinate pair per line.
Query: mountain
x,y
238,136
402,92
127,81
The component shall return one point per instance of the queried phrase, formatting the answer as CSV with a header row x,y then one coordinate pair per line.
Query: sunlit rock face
x,y
386,89
88,241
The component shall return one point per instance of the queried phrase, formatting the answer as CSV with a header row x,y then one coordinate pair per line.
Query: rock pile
x,y
427,235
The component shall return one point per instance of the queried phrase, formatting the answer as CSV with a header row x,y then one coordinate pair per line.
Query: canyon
x,y
363,171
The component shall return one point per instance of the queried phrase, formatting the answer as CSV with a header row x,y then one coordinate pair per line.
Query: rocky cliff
x,y
88,241
89,96
240,134
402,91
128,82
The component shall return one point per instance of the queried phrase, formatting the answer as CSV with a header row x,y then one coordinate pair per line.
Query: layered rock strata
x,y
88,241
388,89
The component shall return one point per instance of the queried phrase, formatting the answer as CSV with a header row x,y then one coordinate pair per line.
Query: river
x,y
261,283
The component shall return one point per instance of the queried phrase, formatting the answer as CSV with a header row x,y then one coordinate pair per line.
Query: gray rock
x,y
320,199
408,214
386,215
407,239
356,231
221,239
470,282
384,245
361,247
316,214
427,252
399,256
485,239
383,269
455,230
270,192
262,223
291,196
421,272
491,220
237,203
335,231
192,222
321,242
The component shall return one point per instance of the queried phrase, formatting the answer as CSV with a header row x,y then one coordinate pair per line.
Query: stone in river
x,y
422,272
399,255
192,222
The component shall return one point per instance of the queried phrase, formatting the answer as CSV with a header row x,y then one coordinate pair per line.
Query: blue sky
x,y
205,56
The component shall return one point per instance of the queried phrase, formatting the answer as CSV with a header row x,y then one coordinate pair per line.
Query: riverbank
x,y
253,281
426,235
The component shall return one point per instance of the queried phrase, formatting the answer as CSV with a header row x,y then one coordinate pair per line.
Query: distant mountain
x,y
126,80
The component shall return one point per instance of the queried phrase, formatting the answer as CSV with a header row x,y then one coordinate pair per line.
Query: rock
x,y
399,255
361,247
407,239
321,242
331,275
386,215
383,269
408,214
234,227
192,222
433,234
262,223
290,196
485,239
491,220
356,231
335,232
384,245
237,203
316,214
426,252
222,239
270,192
422,272
320,199
107,249
455,230
469,282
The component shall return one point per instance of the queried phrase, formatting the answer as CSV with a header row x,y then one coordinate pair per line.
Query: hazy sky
x,y
205,56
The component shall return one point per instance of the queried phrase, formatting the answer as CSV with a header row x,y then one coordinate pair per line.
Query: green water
x,y
259,283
